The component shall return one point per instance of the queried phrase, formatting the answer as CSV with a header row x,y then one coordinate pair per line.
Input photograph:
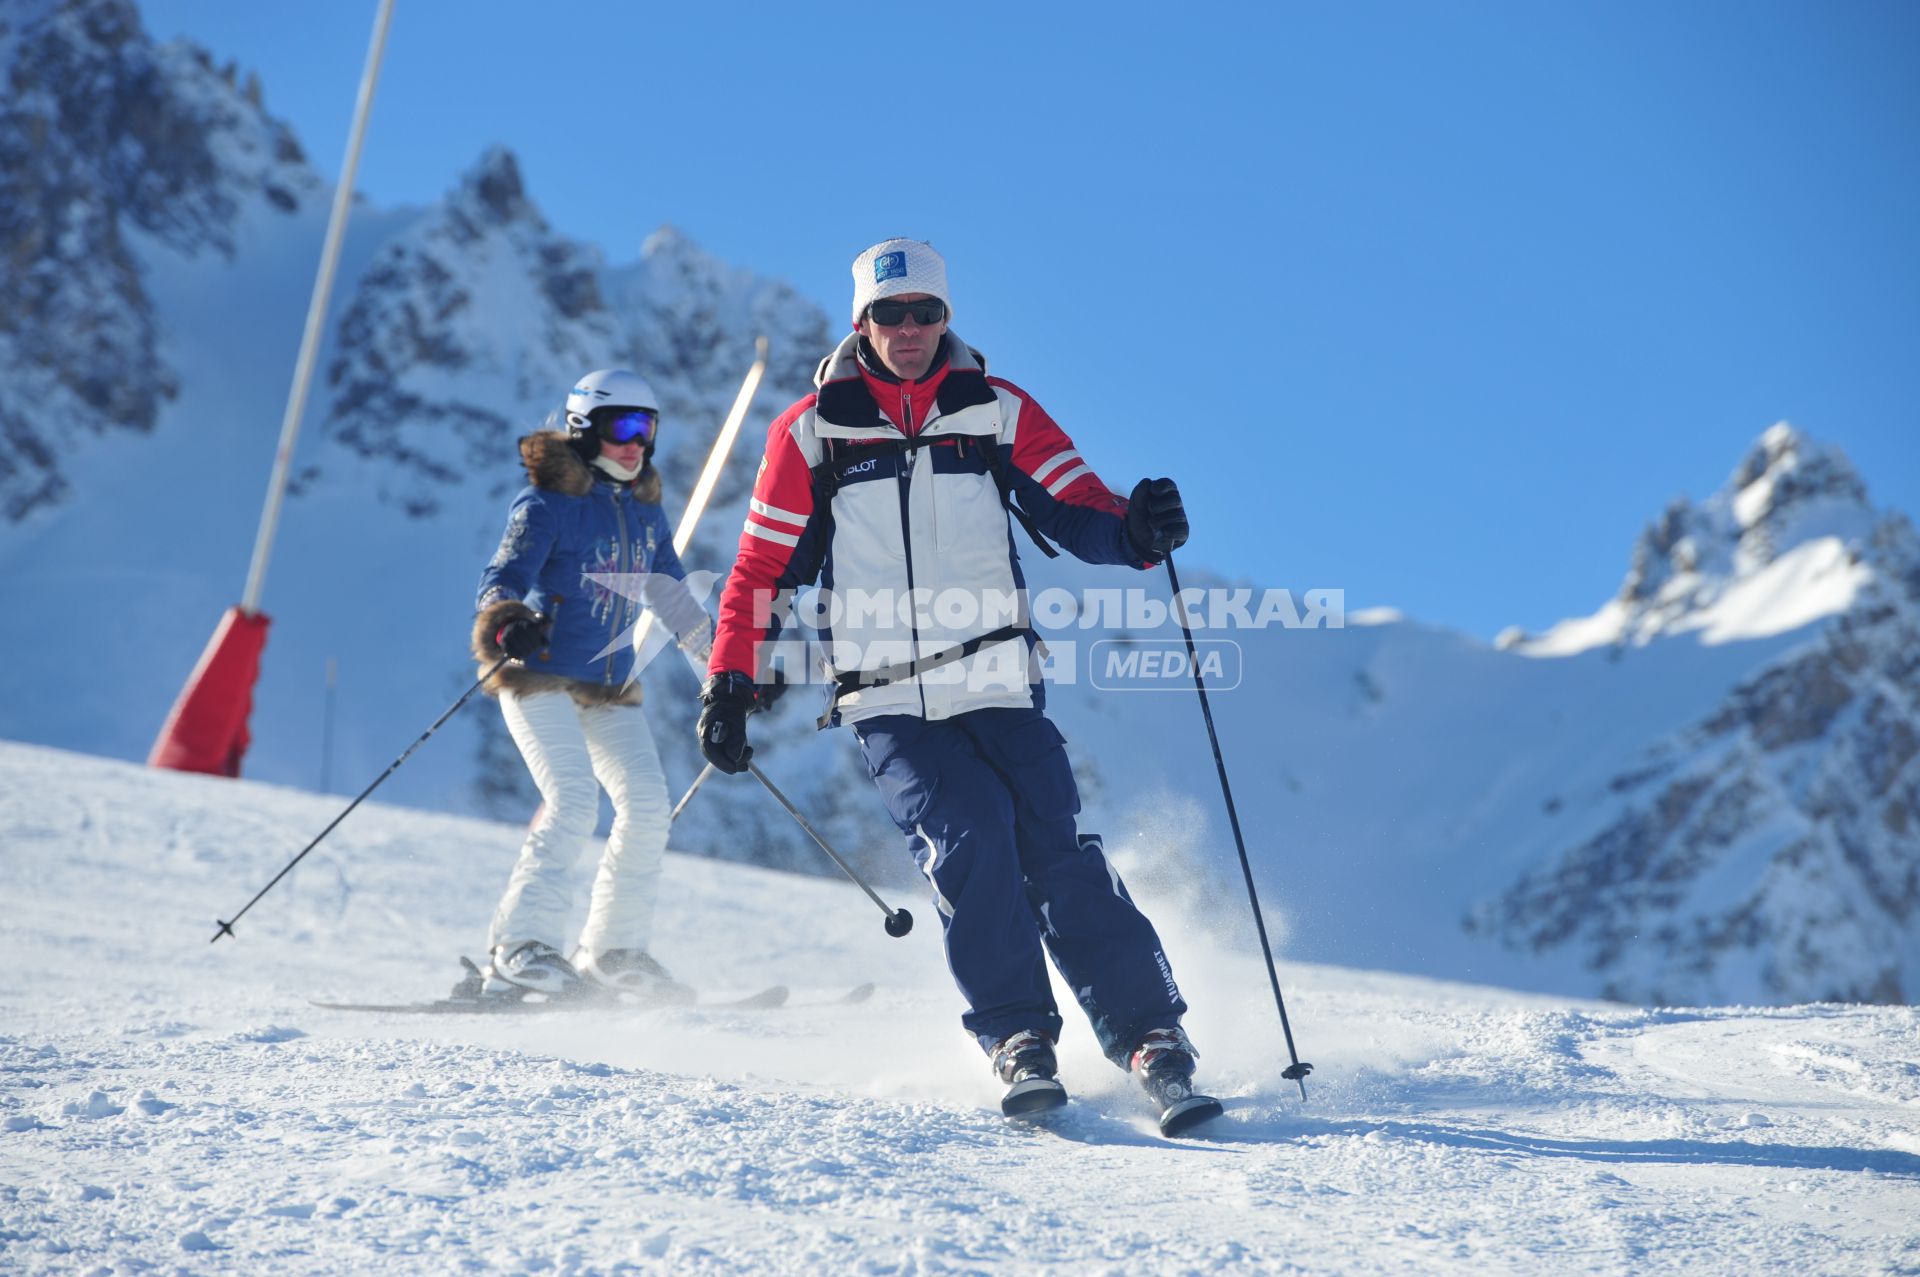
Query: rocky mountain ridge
x,y
1784,825
108,141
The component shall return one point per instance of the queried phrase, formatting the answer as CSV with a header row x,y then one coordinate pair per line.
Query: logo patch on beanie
x,y
890,266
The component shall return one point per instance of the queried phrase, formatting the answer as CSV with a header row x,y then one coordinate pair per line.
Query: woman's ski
x,y
771,998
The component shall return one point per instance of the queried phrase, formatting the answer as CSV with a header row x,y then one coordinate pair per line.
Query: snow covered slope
x,y
174,1106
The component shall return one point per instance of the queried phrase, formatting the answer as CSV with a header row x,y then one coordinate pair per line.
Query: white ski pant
x,y
568,749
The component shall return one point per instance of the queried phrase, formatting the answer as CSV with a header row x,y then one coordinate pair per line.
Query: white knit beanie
x,y
896,266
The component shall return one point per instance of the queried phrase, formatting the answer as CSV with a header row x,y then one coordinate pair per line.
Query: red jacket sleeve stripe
x,y
1043,450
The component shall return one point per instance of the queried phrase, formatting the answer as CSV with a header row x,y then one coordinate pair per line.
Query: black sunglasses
x,y
891,314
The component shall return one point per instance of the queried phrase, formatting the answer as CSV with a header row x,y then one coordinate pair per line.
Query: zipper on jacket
x,y
904,480
622,562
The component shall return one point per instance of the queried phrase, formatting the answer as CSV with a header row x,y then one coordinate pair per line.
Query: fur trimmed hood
x,y
529,679
554,466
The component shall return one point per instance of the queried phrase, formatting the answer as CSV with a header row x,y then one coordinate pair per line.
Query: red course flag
x,y
207,729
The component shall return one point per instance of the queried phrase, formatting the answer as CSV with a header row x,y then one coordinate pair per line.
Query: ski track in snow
x,y
167,1105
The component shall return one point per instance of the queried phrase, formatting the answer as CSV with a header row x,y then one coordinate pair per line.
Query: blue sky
x,y
1437,303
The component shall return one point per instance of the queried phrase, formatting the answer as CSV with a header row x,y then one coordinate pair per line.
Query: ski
x,y
767,999
1184,1115
771,998
1050,1108
1181,1107
1033,1097
851,998
1164,1064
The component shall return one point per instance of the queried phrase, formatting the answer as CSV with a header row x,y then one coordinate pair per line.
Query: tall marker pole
x,y
709,478
316,313
206,730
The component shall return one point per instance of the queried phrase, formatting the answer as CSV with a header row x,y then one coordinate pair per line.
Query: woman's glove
x,y
522,636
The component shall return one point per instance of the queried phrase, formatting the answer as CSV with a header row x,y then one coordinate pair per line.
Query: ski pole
x,y
226,924
692,789
1297,1072
899,921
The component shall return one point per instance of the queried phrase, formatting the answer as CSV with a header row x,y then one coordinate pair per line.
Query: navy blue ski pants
x,y
987,801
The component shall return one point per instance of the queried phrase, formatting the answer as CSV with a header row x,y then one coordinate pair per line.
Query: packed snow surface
x,y
167,1105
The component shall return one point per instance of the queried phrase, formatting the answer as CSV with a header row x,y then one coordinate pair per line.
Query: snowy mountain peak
x,y
1787,468
1676,544
491,193
670,243
1788,540
471,320
1768,844
681,278
692,312
1790,489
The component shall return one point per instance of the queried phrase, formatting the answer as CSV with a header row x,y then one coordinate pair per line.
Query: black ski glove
x,y
522,636
1156,521
765,694
725,701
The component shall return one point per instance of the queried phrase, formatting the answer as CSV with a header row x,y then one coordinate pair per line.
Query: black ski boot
x,y
1164,1064
1025,1063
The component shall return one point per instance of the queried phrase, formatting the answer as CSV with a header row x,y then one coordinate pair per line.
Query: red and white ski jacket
x,y
903,538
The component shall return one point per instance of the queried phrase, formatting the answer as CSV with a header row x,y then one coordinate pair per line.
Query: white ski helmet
x,y
608,388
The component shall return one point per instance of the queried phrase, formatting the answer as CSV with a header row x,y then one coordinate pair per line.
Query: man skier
x,y
893,483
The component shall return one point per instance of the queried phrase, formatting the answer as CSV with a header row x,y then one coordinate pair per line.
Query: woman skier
x,y
586,545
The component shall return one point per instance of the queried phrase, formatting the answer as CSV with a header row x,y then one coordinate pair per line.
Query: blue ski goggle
x,y
624,425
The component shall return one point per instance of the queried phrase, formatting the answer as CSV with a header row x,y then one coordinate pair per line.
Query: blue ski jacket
x,y
587,552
